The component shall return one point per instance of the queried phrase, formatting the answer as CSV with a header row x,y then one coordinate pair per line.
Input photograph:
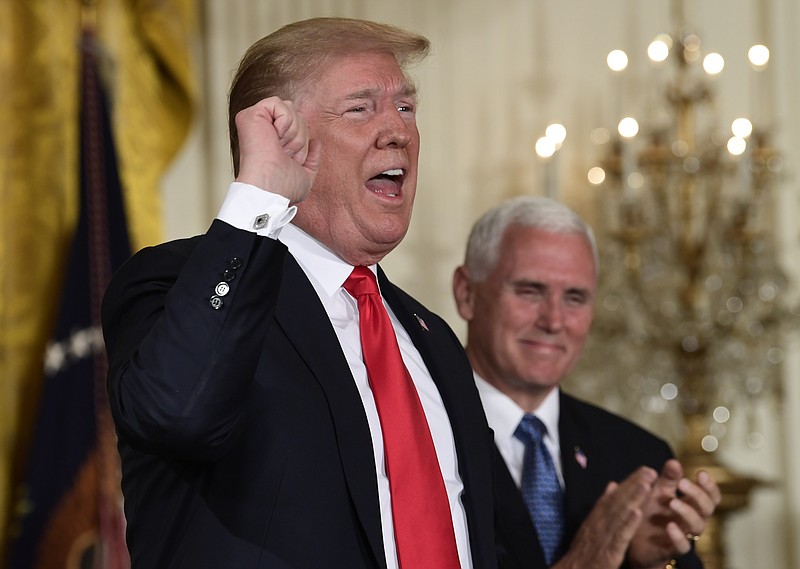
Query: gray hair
x,y
483,245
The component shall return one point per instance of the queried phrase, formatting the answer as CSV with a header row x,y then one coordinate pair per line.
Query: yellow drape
x,y
148,76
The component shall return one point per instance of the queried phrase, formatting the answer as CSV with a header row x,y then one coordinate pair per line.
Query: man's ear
x,y
463,293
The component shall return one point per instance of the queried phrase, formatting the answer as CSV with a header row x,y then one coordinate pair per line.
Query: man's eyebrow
x,y
527,283
583,291
363,94
407,91
532,283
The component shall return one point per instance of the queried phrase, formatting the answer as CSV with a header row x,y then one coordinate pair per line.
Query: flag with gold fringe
x,y
60,505
72,514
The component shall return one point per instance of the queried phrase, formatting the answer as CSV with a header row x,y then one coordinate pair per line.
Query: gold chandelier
x,y
692,302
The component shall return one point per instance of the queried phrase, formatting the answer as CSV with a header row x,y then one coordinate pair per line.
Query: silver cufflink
x,y
261,221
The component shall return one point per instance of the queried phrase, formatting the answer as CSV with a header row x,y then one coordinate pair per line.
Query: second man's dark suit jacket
x,y
243,438
612,448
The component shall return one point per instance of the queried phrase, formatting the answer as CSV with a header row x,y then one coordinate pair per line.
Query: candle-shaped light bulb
x,y
658,50
713,63
758,55
742,127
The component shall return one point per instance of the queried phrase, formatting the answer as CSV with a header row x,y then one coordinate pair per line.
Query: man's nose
x,y
394,131
551,314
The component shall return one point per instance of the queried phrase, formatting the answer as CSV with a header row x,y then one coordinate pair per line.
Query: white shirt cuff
x,y
250,208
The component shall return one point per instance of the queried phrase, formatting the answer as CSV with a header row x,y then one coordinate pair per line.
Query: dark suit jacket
x,y
243,439
613,448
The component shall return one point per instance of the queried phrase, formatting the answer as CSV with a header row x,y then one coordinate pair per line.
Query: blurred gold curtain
x,y
148,77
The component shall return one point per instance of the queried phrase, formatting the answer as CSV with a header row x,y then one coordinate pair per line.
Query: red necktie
x,y
423,525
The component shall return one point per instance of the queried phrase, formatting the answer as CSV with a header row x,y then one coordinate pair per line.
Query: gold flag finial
x,y
89,15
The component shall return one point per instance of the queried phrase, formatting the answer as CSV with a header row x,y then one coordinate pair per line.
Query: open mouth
x,y
388,183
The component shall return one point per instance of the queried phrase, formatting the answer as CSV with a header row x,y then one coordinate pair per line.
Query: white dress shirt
x,y
503,415
327,273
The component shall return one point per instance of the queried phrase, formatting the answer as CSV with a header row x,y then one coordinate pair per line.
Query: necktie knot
x,y
360,282
530,430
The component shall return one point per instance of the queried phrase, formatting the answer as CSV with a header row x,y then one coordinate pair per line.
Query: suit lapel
x,y
304,321
580,464
424,330
517,541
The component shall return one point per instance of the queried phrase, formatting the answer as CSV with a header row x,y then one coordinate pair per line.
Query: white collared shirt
x,y
503,415
327,273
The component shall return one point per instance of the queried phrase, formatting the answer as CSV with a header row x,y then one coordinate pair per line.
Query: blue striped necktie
x,y
540,488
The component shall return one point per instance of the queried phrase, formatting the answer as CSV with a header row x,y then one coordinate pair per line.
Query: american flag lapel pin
x,y
422,323
580,458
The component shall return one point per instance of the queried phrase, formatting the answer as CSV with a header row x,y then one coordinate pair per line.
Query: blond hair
x,y
287,62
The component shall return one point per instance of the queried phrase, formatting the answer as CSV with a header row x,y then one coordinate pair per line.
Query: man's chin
x,y
387,234
541,383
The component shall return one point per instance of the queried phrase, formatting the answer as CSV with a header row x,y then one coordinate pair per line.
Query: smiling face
x,y
528,320
363,111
